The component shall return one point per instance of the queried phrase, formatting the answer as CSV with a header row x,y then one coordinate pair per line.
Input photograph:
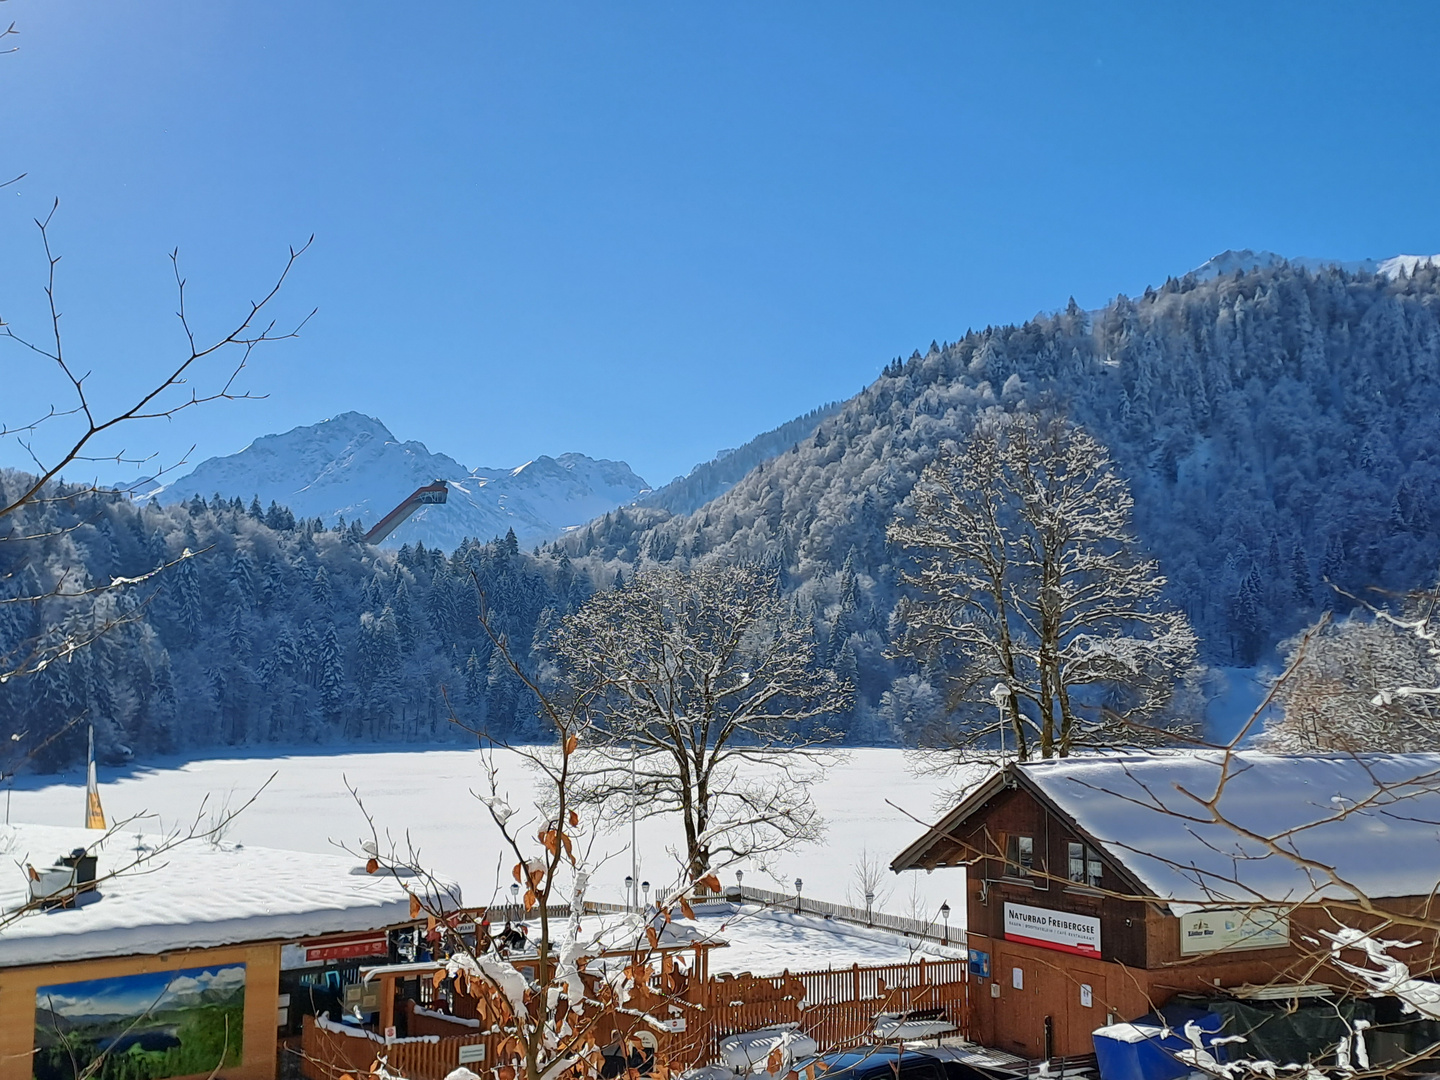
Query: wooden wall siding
x,y
1051,982
1123,923
262,996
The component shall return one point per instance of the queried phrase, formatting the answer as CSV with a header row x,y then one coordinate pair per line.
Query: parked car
x,y
894,1063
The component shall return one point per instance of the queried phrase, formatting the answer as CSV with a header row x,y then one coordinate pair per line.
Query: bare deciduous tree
x,y
584,989
75,613
711,707
1031,596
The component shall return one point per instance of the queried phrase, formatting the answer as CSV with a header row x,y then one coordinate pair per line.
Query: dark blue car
x,y
893,1063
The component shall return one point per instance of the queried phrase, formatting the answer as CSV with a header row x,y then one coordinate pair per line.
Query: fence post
x,y
922,971
856,972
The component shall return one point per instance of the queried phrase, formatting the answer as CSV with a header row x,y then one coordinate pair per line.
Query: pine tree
x,y
1300,576
321,592
187,598
331,674
475,676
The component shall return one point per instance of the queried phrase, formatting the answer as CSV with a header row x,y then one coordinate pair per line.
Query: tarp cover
x,y
1142,1050
1279,1032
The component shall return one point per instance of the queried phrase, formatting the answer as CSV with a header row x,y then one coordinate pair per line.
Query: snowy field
x,y
769,942
426,794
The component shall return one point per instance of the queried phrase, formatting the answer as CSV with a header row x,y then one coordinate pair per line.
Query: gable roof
x,y
194,895
1373,818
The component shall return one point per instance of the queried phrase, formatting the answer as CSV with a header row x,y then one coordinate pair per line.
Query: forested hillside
x,y
711,479
277,630
1278,427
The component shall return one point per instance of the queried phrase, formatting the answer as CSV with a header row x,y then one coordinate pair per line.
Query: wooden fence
x,y
328,1054
836,1007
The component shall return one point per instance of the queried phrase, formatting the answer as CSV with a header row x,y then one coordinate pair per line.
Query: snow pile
x,y
352,466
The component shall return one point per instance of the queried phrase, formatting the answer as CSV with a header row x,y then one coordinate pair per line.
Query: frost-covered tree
x,y
712,707
1363,683
1025,576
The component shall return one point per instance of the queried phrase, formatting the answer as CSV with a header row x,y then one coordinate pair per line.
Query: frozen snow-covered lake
x,y
769,942
427,794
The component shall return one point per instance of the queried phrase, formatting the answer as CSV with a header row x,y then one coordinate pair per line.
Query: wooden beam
x,y
387,1001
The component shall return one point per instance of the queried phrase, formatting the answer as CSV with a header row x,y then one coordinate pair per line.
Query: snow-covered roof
x,y
1143,809
195,895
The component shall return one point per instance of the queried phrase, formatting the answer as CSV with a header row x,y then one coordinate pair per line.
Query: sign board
x,y
319,951
1087,996
979,964
1213,931
348,948
1060,930
677,1024
362,996
469,1055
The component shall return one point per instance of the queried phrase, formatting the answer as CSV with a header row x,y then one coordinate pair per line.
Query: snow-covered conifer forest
x,y
1276,428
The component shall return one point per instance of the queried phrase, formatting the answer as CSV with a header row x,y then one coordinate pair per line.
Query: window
x,y
1085,865
1019,855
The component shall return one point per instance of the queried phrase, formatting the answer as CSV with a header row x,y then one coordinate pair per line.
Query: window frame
x,y
1083,859
1021,865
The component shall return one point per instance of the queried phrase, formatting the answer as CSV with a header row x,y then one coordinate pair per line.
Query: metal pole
x,y
634,851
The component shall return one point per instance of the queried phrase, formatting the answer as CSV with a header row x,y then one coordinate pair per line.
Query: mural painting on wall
x,y
141,1027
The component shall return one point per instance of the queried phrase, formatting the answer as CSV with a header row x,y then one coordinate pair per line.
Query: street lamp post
x,y
629,892
645,888
740,884
869,903
798,886
1000,695
945,915
515,897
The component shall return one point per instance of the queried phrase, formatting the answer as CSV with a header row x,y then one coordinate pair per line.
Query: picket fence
x,y
836,1007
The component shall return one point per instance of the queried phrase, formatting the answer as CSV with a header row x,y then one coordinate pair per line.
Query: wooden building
x,y
122,942
1098,888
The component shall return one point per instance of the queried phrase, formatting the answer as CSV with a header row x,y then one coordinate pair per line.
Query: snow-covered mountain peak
x,y
1227,262
352,466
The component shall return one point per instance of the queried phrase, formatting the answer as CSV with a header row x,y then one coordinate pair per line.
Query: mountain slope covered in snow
x,y
1227,262
1277,430
711,479
351,466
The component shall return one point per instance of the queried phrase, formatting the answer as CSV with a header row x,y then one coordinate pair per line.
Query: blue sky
x,y
649,231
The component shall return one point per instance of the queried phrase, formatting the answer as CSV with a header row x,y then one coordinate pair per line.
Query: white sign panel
x,y
1061,930
471,1054
1212,931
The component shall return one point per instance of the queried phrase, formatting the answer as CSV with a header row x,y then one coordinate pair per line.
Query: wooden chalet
x,y
1098,888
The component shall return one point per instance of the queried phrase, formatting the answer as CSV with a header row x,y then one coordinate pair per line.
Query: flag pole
x,y
94,815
